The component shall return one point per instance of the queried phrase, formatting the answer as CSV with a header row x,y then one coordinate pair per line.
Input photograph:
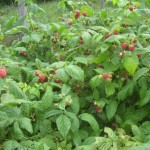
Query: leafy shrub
x,y
79,84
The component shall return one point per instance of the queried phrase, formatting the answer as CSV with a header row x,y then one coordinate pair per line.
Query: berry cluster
x,y
107,35
41,76
3,72
105,76
76,16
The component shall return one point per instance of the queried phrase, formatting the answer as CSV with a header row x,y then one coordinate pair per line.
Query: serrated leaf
x,y
110,89
75,105
144,146
91,120
63,124
75,72
95,81
74,121
145,127
62,75
104,47
126,91
47,98
131,64
146,61
140,73
137,133
25,123
15,90
104,143
110,133
114,38
11,144
86,37
52,113
1,84
111,109
82,60
17,132
65,89
145,99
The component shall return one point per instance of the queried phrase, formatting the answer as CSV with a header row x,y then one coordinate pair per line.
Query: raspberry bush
x,y
82,83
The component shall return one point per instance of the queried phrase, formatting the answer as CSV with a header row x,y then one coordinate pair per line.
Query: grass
x,y
53,12
50,7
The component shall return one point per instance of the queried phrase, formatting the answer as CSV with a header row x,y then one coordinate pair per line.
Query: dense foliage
x,y
83,83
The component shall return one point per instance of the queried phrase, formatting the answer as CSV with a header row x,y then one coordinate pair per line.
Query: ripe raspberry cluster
x,y
41,76
3,72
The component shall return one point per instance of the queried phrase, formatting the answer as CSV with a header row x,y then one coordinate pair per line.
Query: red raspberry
x,y
124,45
22,53
116,32
131,8
56,35
105,75
78,86
57,80
81,42
138,55
37,72
77,14
107,35
3,72
41,78
84,14
131,47
134,41
109,75
98,109
70,23
55,71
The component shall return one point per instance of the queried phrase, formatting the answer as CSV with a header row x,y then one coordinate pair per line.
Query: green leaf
x,y
104,47
127,90
63,124
111,109
114,2
52,113
145,127
82,60
17,132
1,84
62,75
146,61
15,90
138,135
47,98
65,89
35,37
110,89
95,82
25,123
104,143
91,120
144,146
75,104
114,38
74,121
145,99
86,37
10,145
75,72
131,63
141,72
110,133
